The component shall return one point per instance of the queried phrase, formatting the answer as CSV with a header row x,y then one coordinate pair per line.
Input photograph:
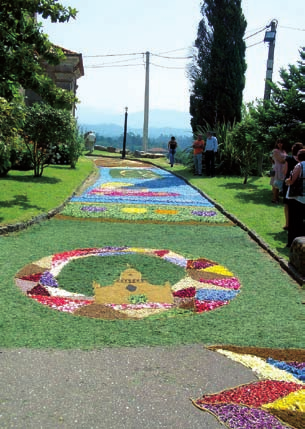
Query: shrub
x,y
50,135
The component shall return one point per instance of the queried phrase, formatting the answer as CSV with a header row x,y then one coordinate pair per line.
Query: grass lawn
x,y
23,196
268,312
250,203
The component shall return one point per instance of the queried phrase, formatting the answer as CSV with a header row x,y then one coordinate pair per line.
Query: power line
x,y
292,28
113,55
254,44
172,58
174,50
116,62
105,66
257,32
165,67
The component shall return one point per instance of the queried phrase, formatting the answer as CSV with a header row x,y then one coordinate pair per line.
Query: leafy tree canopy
x,y
23,46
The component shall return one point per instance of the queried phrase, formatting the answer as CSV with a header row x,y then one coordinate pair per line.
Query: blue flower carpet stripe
x,y
147,194
164,188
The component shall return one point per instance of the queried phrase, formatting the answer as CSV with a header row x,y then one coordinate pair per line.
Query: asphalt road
x,y
130,388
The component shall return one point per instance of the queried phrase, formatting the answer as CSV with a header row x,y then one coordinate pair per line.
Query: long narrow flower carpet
x,y
142,193
134,193
180,286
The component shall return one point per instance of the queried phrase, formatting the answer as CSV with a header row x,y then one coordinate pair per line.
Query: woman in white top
x,y
296,207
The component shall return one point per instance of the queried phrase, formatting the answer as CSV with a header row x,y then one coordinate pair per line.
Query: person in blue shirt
x,y
211,146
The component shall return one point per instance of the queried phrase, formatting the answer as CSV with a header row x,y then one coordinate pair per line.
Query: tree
x,y
217,73
45,129
23,45
287,105
11,117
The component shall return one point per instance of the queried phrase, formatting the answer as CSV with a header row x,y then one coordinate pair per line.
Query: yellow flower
x,y
133,210
295,401
218,269
260,366
112,185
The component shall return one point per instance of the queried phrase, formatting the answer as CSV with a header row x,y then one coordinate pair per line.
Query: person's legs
x,y
199,160
171,158
196,164
208,162
212,163
275,194
296,215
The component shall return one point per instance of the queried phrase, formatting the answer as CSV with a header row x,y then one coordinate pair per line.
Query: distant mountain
x,y
113,130
169,120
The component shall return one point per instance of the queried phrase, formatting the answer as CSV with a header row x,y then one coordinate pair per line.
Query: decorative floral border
x,y
206,286
256,405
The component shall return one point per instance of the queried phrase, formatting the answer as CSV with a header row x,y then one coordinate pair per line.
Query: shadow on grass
x,y
21,201
31,179
255,193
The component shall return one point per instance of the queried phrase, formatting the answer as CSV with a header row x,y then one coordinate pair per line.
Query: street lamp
x,y
125,132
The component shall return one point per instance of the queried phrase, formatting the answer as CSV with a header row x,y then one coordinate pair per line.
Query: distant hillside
x,y
160,122
113,130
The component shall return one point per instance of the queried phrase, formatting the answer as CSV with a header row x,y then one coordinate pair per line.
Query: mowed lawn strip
x,y
23,196
268,312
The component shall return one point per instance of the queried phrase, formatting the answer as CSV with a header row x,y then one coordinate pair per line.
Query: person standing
x,y
90,140
198,147
211,148
296,206
291,162
279,166
172,146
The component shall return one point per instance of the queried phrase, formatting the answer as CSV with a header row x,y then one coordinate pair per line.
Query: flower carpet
x,y
206,286
275,401
143,194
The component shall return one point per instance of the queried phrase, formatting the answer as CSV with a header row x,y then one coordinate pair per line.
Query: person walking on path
x,y
211,148
172,146
198,146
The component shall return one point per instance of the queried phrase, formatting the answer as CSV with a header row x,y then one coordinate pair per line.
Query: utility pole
x,y
125,133
270,38
146,103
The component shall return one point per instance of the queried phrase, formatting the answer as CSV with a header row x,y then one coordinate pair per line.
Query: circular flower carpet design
x,y
204,286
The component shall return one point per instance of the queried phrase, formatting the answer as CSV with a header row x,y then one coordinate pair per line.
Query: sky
x,y
114,36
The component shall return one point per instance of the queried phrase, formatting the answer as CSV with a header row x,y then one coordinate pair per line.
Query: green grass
x,y
78,275
250,203
23,196
268,312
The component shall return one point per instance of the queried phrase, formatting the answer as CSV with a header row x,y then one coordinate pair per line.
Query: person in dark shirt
x,y
291,162
172,146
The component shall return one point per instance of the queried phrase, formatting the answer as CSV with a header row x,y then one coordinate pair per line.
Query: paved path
x,y
130,388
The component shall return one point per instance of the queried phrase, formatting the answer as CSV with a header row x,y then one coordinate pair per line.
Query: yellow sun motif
x,y
115,185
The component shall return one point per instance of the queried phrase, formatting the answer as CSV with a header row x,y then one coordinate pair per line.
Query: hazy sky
x,y
167,28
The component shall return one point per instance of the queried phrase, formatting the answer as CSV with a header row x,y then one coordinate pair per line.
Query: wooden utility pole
x,y
270,38
146,104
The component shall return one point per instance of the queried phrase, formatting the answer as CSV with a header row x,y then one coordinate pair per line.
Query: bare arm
x,y
295,174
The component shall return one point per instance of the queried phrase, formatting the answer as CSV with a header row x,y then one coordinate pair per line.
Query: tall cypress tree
x,y
217,73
